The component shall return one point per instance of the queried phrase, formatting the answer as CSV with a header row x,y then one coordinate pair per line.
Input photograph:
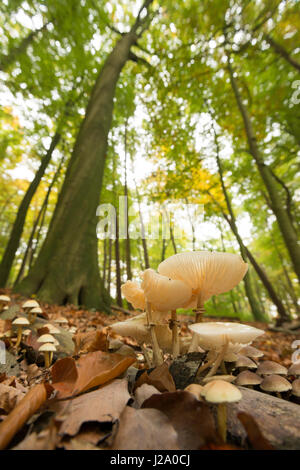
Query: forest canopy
x,y
179,116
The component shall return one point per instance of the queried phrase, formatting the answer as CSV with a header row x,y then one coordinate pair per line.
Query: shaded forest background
x,y
160,101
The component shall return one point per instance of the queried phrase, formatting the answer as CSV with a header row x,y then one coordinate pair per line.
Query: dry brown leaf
x,y
254,434
191,419
160,378
91,341
145,430
45,440
9,397
32,401
91,370
103,405
144,392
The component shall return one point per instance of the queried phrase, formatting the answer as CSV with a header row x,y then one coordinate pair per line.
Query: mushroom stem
x,y
205,366
199,312
157,354
47,359
19,337
219,360
175,334
146,356
194,343
222,421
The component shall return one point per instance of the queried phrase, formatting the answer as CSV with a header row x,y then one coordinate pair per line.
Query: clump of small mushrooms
x,y
28,306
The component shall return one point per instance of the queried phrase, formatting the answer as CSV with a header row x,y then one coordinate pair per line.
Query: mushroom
x,y
251,352
52,329
247,378
20,323
61,321
296,388
275,383
226,378
207,273
194,389
28,306
245,362
134,294
164,294
48,338
47,349
4,301
223,338
221,393
271,368
33,313
294,369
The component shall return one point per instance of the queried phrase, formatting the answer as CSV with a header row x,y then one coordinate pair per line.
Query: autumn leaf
x,y
254,434
159,377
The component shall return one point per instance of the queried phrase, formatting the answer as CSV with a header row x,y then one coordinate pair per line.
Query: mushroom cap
x,y
52,329
60,320
4,298
275,383
219,391
136,327
194,389
244,361
163,293
30,304
294,369
250,351
270,368
21,321
46,339
226,378
207,273
248,378
134,294
47,347
296,388
26,332
36,310
214,335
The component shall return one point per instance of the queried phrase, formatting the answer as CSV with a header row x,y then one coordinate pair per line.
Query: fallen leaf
x,y
144,392
103,405
9,397
145,430
91,341
91,370
159,377
191,419
254,434
32,401
45,440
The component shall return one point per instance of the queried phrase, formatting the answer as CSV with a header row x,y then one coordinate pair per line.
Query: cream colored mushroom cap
x,y
164,293
36,310
219,391
52,329
47,347
275,383
4,298
30,304
214,335
21,321
208,273
134,294
46,339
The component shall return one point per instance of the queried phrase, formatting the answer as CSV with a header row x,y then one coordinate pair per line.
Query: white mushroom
x,y
47,349
20,323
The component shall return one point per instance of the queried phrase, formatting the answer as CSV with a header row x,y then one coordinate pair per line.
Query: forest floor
x,y
63,412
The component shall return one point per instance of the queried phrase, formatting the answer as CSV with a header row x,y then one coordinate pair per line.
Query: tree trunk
x,y
286,228
245,252
118,267
127,241
18,226
66,270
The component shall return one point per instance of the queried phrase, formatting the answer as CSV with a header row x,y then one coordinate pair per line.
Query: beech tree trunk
x,y
17,230
66,270
279,49
286,228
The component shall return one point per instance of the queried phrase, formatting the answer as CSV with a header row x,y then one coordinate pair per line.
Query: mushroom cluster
x,y
185,280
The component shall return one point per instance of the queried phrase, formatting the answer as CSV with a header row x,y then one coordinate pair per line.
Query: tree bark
x,y
286,228
127,241
18,226
66,270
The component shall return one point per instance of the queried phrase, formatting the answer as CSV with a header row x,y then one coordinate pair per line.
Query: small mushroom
x,y
251,352
33,313
47,349
61,321
4,301
247,378
53,330
195,389
221,393
294,369
271,368
275,383
28,306
296,388
226,378
245,362
20,323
